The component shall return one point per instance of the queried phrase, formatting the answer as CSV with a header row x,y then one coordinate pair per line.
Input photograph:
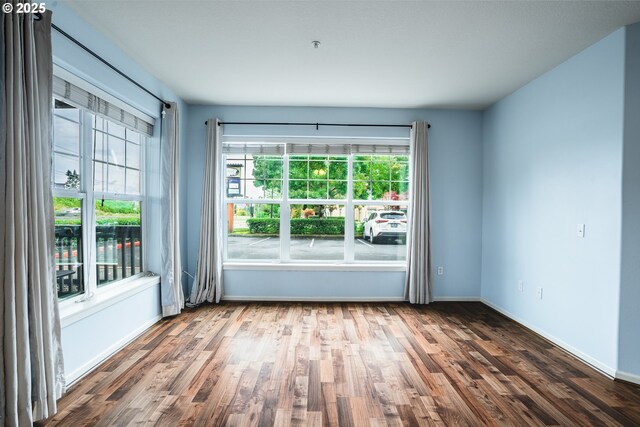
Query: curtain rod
x,y
105,62
317,125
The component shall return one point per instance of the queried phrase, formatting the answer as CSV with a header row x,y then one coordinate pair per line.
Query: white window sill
x,y
74,310
312,267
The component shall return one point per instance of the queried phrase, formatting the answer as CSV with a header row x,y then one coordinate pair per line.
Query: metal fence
x,y
118,255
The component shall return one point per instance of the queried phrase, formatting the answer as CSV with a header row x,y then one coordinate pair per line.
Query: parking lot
x,y
324,249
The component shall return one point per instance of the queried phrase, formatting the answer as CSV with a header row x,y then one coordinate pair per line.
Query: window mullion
x,y
285,214
349,220
89,228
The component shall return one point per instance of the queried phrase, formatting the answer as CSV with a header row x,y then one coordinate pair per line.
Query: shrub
x,y
264,225
333,226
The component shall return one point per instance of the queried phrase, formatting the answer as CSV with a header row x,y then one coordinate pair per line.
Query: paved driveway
x,y
245,247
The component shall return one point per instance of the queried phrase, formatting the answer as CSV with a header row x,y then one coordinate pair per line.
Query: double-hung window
x,y
98,192
316,203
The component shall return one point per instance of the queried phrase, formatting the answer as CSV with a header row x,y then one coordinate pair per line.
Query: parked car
x,y
385,224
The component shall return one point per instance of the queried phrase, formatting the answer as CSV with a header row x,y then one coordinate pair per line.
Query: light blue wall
x,y
455,150
629,357
552,159
113,325
90,340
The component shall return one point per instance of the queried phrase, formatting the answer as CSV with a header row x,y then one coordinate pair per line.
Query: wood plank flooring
x,y
445,364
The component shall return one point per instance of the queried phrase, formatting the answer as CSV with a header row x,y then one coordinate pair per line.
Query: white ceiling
x,y
449,54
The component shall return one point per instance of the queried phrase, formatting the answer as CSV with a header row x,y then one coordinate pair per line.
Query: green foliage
x,y
114,212
119,220
375,176
267,211
73,180
112,220
317,226
325,177
299,226
264,225
267,171
117,206
62,203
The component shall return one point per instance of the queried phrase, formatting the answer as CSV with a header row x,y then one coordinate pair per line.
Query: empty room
x,y
322,213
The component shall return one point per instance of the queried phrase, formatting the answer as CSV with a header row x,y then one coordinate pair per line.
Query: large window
x,y
97,200
314,203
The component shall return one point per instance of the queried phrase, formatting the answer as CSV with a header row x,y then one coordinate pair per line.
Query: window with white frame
x,y
339,203
98,195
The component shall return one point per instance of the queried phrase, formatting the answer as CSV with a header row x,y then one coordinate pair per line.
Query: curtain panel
x,y
207,285
418,286
170,283
32,371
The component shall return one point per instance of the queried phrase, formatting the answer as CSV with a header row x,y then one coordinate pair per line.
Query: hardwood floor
x,y
345,364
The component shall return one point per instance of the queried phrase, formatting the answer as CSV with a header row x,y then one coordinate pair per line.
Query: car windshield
x,y
392,215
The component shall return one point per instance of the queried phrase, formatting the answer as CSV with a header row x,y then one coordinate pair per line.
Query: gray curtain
x,y
207,285
31,375
171,285
418,287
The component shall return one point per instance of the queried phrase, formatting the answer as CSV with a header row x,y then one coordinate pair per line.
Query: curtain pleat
x,y
171,284
207,285
417,286
32,371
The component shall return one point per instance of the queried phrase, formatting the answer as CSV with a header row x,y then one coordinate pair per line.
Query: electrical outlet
x,y
520,285
539,293
440,271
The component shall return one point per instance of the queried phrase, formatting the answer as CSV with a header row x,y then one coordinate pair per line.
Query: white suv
x,y
385,224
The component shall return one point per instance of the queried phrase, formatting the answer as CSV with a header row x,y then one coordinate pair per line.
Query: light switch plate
x,y
580,230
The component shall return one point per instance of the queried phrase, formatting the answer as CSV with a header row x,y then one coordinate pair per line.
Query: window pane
x,y
337,169
337,190
380,233
133,181
298,169
99,146
115,129
380,177
318,177
66,136
115,181
118,240
66,172
116,151
253,231
133,155
67,111
66,146
298,189
68,241
254,176
133,136
400,168
317,189
100,177
317,232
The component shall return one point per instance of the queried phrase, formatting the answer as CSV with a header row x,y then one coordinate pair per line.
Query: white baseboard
x,y
271,298
456,299
252,298
605,369
89,366
626,376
